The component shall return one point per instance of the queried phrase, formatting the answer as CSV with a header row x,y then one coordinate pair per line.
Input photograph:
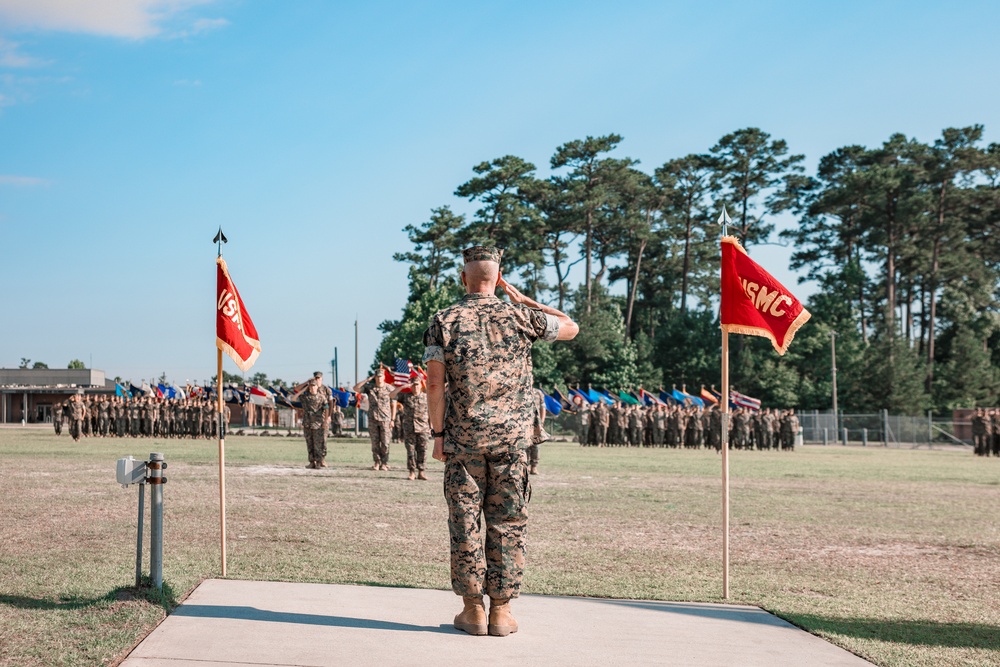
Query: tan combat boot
x,y
473,617
501,622
322,463
533,470
421,475
412,476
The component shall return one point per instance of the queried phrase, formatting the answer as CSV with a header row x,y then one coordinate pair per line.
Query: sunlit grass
x,y
893,554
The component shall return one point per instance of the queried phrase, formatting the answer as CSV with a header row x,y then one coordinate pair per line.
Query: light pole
x,y
357,408
833,365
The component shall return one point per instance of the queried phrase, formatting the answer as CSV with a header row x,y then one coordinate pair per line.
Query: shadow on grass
x,y
241,613
166,599
917,633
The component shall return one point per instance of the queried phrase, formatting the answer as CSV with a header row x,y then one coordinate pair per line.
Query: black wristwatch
x,y
437,434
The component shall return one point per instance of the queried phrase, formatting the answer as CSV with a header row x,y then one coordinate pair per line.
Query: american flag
x,y
401,372
736,399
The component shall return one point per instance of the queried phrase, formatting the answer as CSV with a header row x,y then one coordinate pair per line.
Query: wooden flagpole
x,y
725,220
725,464
222,470
219,239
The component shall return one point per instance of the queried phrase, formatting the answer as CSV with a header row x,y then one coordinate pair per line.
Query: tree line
x,y
902,240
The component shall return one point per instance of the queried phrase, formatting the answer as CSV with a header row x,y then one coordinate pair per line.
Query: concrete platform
x,y
229,623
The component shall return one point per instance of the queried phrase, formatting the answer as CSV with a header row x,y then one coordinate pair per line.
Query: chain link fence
x,y
884,430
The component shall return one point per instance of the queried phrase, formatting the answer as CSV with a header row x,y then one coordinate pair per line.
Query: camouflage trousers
x,y
416,450
492,485
379,432
75,426
315,442
533,455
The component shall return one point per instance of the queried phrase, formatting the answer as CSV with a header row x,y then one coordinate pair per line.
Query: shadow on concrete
x,y
254,614
917,633
732,613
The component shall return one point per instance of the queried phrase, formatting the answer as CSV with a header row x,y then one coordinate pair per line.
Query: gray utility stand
x,y
131,471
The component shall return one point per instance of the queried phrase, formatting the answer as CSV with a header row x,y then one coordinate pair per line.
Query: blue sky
x,y
313,132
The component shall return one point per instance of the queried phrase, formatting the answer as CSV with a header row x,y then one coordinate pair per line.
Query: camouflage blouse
x,y
313,409
485,346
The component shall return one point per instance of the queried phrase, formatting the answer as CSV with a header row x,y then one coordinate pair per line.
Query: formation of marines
x,y
675,426
986,432
103,416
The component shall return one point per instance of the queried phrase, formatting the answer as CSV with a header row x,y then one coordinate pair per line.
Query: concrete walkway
x,y
225,623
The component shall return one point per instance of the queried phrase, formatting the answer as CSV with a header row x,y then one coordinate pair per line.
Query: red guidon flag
x,y
754,303
235,333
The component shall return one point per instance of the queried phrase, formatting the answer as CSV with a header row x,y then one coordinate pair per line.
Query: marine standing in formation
x,y
315,413
538,431
416,426
57,417
622,425
77,414
381,413
986,432
478,360
336,420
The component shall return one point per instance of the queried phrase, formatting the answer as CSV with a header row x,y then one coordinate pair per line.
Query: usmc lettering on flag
x,y
764,301
235,333
230,308
754,303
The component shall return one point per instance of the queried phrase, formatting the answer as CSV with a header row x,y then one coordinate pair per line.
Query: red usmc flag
x,y
235,333
754,303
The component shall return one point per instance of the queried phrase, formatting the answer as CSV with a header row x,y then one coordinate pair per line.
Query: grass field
x,y
892,554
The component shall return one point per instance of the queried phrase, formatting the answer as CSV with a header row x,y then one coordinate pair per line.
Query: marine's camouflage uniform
x,y
601,417
416,430
379,421
539,435
336,420
485,346
77,413
57,418
314,407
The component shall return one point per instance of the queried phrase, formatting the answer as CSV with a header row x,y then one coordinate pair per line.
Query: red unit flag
x,y
754,303
235,333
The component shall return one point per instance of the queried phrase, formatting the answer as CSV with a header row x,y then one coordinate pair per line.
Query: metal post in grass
x,y
826,436
156,479
930,428
864,437
138,537
885,427
129,471
843,435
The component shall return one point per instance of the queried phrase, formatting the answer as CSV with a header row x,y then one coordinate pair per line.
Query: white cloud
x,y
10,57
133,19
204,25
22,181
198,27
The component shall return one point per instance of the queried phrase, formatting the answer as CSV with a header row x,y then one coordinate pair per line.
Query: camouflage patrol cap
x,y
482,253
318,374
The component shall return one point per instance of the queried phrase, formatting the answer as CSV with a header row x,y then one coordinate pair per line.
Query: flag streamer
x,y
754,303
234,330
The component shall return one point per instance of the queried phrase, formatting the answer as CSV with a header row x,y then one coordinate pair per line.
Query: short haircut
x,y
482,271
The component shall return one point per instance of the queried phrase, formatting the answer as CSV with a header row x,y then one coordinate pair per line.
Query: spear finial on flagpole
x,y
724,220
220,238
